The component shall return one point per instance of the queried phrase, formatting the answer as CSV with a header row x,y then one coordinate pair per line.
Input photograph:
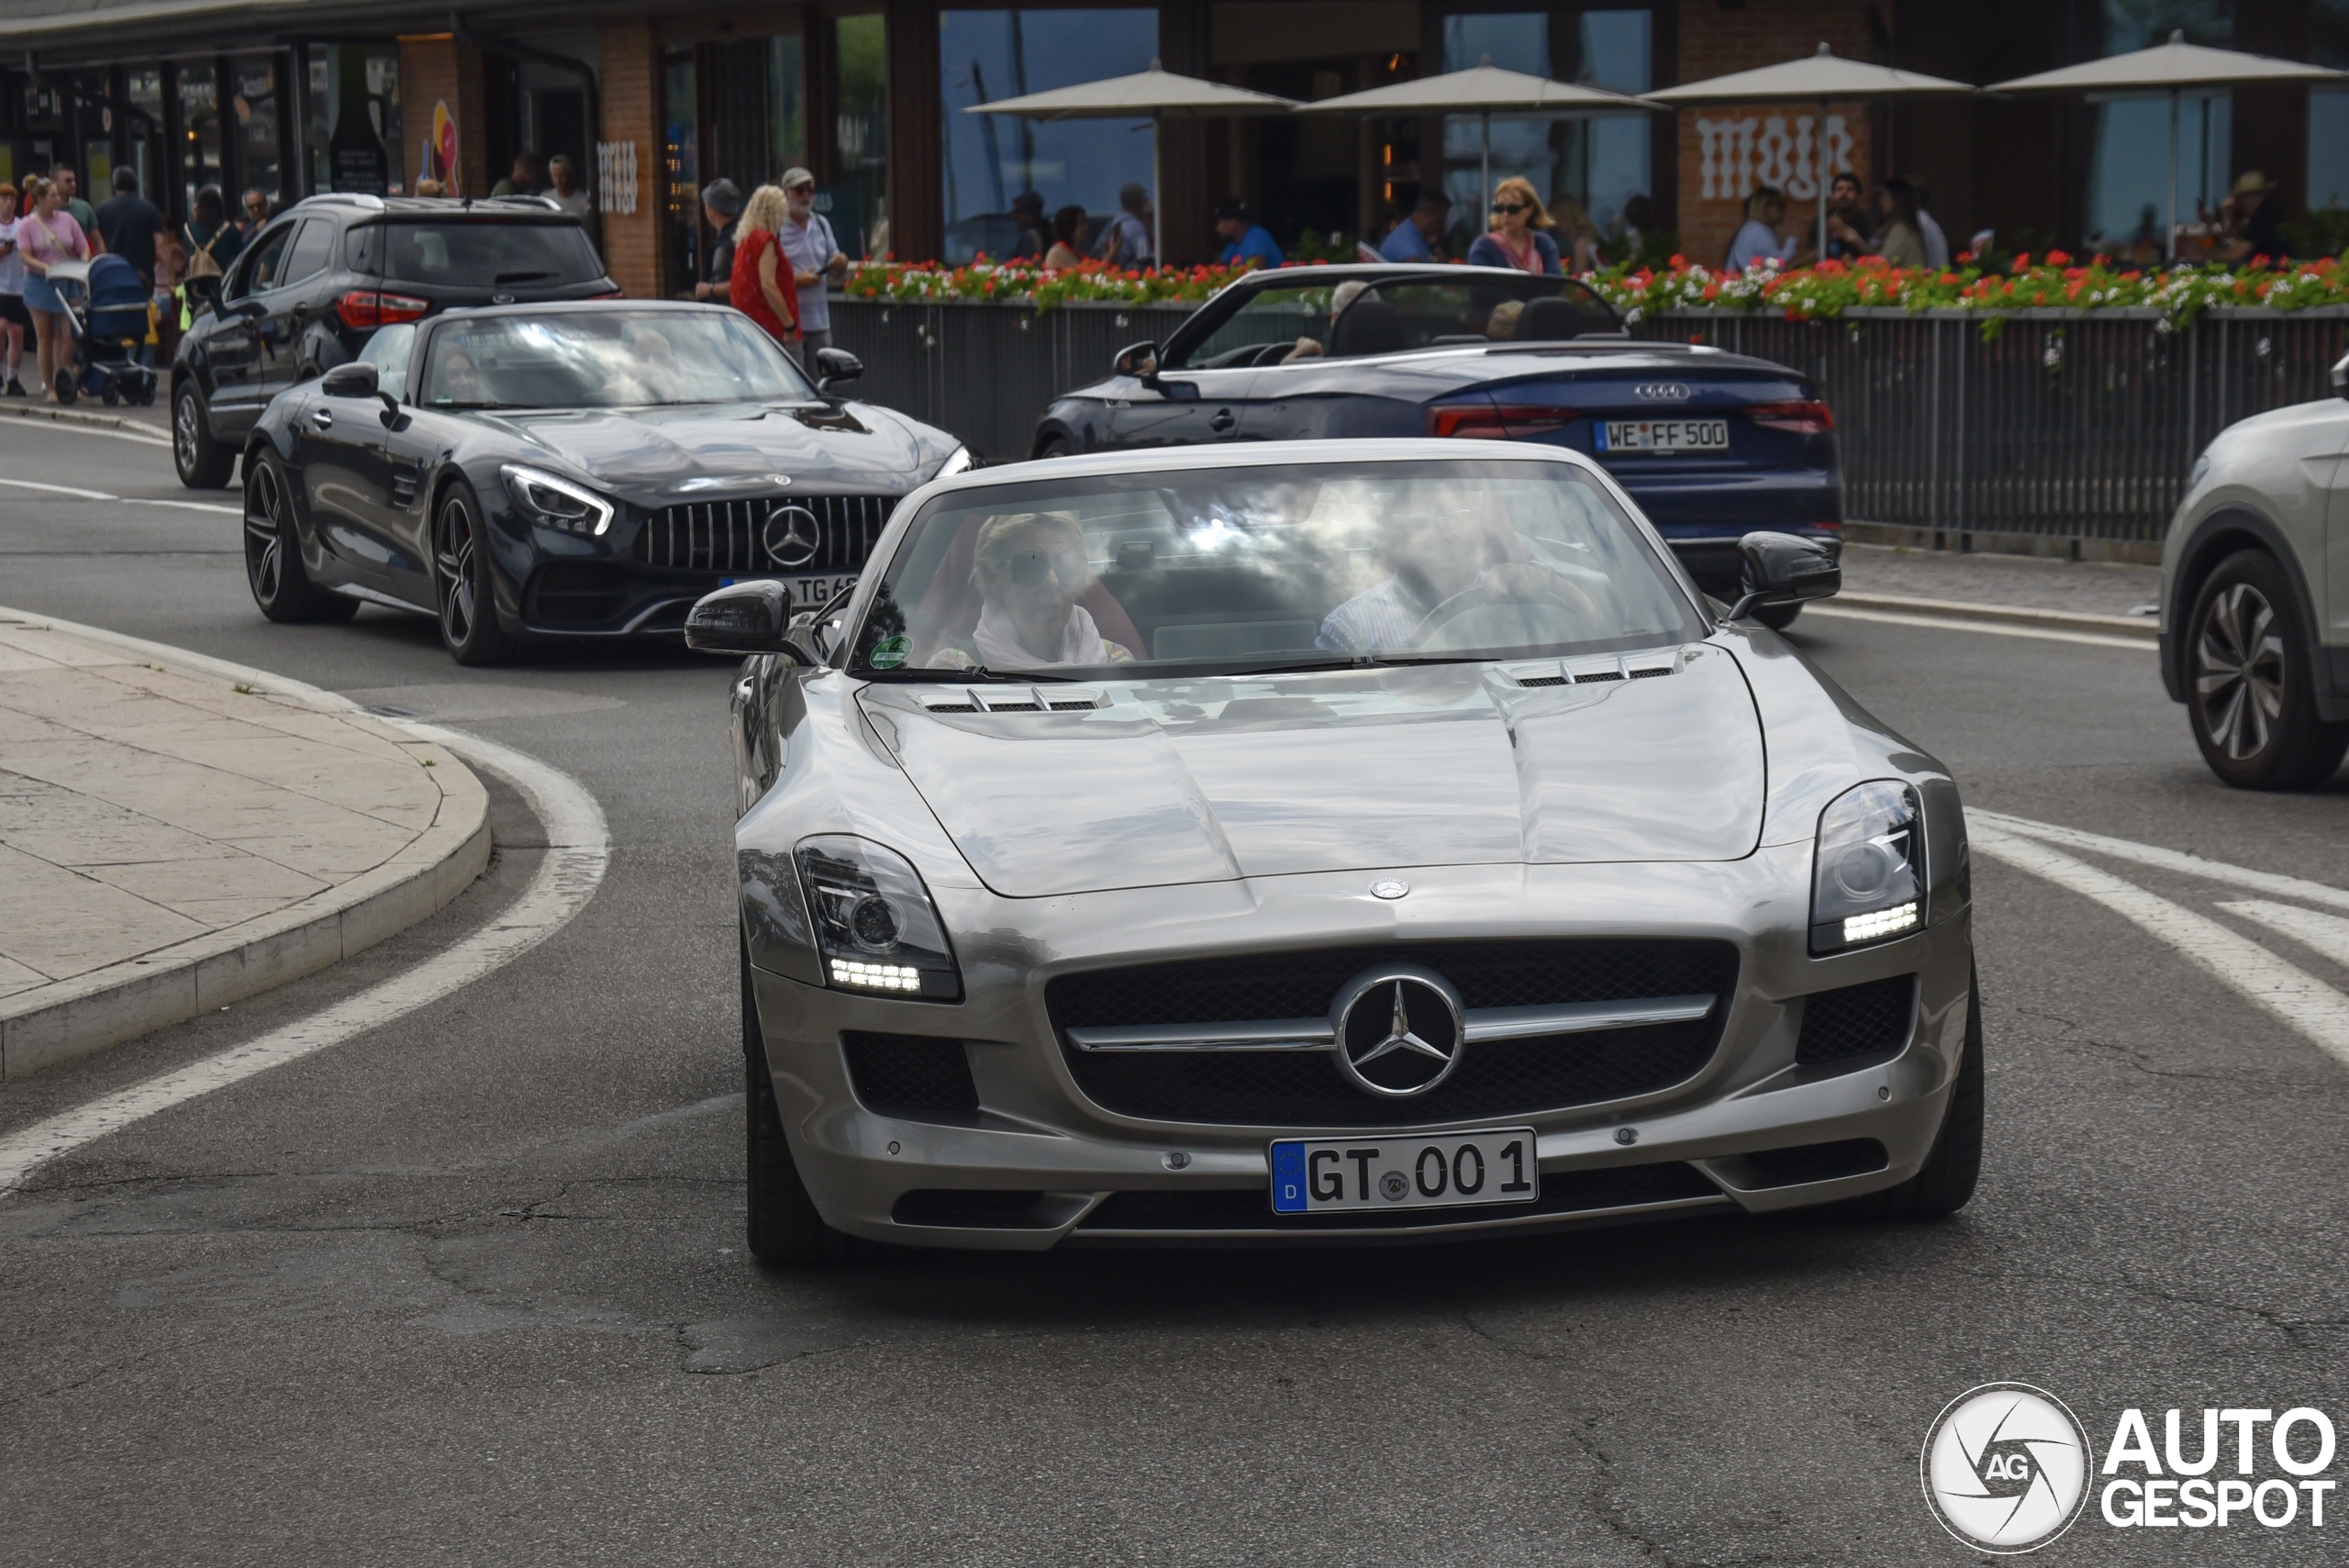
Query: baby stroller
x,y
106,301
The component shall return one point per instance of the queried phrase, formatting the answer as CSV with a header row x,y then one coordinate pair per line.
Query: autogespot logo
x,y
2006,1468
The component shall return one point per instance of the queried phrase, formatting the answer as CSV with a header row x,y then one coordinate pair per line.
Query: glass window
x,y
1596,163
307,256
256,108
1519,41
353,136
1281,326
609,359
2329,109
256,271
2129,175
990,160
200,133
484,254
389,350
859,211
684,234
1272,567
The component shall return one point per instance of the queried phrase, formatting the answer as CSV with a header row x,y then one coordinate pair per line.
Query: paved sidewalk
x,y
2021,581
172,840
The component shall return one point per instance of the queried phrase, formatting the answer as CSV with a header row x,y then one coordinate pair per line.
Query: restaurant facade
x,y
300,96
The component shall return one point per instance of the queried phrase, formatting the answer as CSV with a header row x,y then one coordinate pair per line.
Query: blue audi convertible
x,y
1711,445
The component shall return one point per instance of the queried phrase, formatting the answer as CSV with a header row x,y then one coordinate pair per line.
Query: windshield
x,y
484,253
607,359
1274,567
1279,326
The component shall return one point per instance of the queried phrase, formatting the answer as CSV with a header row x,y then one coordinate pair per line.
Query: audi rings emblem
x,y
1400,1030
792,537
1661,392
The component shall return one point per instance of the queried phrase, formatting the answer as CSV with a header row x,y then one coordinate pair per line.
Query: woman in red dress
x,y
764,286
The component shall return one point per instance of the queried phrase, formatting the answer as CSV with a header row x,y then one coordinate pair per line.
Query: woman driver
x,y
1031,570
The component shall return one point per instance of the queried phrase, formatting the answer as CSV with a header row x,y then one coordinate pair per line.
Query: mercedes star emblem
x,y
1400,1030
792,537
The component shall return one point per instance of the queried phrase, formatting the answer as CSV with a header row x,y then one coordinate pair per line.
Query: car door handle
x,y
1222,422
322,419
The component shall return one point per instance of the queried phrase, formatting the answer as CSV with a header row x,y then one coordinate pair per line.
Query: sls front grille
x,y
766,533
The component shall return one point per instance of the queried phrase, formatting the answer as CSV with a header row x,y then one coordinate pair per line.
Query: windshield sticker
x,y
888,653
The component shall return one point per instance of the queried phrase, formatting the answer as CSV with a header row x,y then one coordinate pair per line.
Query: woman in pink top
x,y
45,237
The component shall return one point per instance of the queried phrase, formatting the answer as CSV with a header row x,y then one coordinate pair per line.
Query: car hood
x,y
1213,780
659,456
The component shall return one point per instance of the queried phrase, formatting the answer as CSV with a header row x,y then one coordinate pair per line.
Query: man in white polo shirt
x,y
815,255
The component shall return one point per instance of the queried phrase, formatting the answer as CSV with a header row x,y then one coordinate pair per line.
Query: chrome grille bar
x,y
1316,1034
729,535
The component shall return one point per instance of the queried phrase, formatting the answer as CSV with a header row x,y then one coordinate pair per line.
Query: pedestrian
x,y
46,236
1902,243
1579,251
566,194
1246,242
128,223
817,259
721,204
528,178
1416,235
1517,238
2256,228
1126,242
1027,219
1635,225
15,321
256,215
70,202
1847,219
212,243
1071,231
1760,240
171,271
762,285
1936,242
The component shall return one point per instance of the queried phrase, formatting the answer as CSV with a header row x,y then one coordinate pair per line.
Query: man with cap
x,y
1244,239
2258,220
1413,238
815,256
721,204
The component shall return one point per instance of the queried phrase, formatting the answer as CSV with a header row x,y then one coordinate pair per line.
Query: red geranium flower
x,y
2058,259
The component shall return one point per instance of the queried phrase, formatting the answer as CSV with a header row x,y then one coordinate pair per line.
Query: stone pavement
x,y
173,839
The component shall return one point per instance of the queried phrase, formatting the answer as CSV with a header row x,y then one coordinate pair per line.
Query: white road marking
x,y
2165,860
2298,998
74,427
2328,934
578,849
1987,627
122,500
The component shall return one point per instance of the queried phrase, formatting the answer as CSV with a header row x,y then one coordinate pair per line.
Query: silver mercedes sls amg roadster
x,y
1331,841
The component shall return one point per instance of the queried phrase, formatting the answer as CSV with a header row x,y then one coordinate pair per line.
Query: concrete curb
x,y
76,417
2141,627
89,1013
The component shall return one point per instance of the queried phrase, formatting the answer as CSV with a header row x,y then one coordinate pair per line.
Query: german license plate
x,y
1452,1170
806,593
1663,435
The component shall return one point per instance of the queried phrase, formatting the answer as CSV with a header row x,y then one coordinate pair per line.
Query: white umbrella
x,y
1483,89
2172,67
1818,78
1154,95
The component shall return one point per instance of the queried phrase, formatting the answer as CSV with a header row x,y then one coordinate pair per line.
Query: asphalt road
x,y
470,1287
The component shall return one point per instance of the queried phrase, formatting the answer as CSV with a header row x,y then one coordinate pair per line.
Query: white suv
x,y
2255,595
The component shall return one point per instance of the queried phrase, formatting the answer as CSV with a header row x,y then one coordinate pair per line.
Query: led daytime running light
x,y
594,517
876,977
1881,923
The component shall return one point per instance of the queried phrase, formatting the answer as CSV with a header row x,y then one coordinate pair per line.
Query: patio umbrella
x,y
1483,89
1819,78
1154,95
2172,67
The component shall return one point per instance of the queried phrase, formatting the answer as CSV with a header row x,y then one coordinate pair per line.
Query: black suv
x,y
311,288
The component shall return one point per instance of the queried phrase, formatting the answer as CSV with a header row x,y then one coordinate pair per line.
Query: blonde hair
x,y
992,553
37,187
1757,206
1518,185
763,214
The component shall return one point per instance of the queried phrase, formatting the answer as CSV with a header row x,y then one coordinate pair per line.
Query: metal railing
x,y
2058,425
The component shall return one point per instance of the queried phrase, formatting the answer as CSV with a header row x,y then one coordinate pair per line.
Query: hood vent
x,y
1012,699
1595,668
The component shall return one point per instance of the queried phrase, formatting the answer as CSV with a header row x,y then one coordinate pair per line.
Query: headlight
x,y
1867,880
876,926
961,460
555,501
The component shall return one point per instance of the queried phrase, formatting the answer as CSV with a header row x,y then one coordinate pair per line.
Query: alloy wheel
x,y
455,562
2239,672
264,533
184,431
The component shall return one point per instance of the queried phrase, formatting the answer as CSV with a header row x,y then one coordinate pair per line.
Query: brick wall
x,y
631,110
1725,151
439,70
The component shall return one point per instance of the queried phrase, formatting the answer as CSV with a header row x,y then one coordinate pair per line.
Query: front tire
x,y
2250,685
273,568
462,583
203,462
783,1226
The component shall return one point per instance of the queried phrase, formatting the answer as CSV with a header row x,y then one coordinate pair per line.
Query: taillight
x,y
363,308
1503,422
1794,419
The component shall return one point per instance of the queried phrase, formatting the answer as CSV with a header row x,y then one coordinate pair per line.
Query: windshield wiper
x,y
1352,662
975,673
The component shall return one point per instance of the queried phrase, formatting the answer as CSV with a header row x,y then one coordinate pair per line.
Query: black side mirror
x,y
748,618
1138,360
356,379
834,366
1783,569
206,290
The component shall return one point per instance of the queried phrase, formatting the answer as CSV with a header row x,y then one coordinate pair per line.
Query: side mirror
x,y
206,290
1783,569
356,379
747,617
836,365
1138,360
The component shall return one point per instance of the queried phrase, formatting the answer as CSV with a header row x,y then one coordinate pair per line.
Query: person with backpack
x,y
211,241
